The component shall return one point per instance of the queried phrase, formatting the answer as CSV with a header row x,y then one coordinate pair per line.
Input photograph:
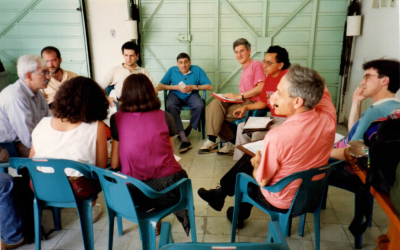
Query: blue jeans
x,y
10,219
194,101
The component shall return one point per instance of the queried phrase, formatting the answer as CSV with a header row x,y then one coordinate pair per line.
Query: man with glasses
x,y
58,75
381,81
276,64
22,106
219,114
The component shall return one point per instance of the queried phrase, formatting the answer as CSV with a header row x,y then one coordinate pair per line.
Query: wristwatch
x,y
242,94
197,87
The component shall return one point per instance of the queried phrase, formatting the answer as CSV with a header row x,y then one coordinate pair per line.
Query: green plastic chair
x,y
54,190
307,199
119,204
202,127
166,243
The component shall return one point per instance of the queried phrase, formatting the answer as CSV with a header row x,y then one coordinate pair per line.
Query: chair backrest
x,y
116,192
109,89
309,194
50,187
10,148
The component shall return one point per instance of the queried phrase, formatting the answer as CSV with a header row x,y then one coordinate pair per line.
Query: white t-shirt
x,y
78,144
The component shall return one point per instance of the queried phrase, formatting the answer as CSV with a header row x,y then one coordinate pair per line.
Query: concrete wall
x,y
104,15
379,38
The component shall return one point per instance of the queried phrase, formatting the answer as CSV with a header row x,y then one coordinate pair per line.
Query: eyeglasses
x,y
367,76
268,62
45,73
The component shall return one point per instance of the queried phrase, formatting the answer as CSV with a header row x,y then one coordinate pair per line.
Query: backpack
x,y
384,153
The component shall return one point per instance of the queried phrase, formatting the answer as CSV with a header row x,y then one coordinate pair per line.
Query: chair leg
x,y
57,218
235,217
85,217
120,227
371,200
111,218
148,234
302,224
288,229
317,214
192,219
37,212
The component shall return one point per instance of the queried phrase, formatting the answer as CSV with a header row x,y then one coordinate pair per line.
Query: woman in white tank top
x,y
75,132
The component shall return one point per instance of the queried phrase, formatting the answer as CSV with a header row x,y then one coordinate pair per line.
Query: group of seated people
x,y
52,113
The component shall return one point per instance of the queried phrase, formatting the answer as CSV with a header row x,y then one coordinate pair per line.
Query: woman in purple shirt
x,y
142,144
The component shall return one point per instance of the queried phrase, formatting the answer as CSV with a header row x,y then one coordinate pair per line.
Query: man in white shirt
x,y
58,75
117,75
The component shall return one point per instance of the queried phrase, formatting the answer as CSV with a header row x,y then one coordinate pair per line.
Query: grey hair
x,y
241,41
305,83
29,63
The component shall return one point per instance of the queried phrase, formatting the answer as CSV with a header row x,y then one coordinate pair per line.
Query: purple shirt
x,y
144,147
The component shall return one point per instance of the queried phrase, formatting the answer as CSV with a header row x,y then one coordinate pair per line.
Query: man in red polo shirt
x,y
276,64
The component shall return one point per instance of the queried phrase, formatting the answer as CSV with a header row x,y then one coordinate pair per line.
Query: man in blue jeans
x,y
184,82
10,221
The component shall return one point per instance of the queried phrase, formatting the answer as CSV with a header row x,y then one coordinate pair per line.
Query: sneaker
x,y
227,148
212,198
229,215
208,147
96,212
185,146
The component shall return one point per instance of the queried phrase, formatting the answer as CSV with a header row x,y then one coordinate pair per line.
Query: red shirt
x,y
270,86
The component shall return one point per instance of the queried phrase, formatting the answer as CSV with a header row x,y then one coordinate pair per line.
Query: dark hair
x,y
182,56
389,68
281,55
131,46
49,49
305,83
138,95
80,99
241,41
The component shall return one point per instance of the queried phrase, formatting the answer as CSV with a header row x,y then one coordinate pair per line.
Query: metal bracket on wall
x,y
184,37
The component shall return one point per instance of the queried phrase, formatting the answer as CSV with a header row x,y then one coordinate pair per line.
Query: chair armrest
x,y
5,165
245,179
260,112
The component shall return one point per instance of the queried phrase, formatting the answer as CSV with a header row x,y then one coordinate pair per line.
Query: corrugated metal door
x,y
311,30
27,26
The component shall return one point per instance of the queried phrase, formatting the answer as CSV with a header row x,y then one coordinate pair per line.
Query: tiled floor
x,y
212,226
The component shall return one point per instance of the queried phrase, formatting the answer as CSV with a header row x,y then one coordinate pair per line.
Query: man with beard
x,y
58,75
22,106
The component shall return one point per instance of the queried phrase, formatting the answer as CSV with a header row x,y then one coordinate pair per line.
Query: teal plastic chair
x,y
307,199
108,91
167,243
120,204
54,190
202,127
9,146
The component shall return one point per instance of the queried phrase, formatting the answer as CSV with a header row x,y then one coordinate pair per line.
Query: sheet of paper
x,y
338,137
257,122
254,146
177,158
221,96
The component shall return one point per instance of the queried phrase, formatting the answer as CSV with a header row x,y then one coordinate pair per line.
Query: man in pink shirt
x,y
219,114
302,142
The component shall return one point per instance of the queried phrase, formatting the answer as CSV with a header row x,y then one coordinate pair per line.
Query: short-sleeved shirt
x,y
381,108
54,85
304,141
251,75
196,76
117,75
169,119
270,86
20,111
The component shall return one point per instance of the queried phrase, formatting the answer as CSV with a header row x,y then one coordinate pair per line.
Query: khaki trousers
x,y
219,115
255,136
